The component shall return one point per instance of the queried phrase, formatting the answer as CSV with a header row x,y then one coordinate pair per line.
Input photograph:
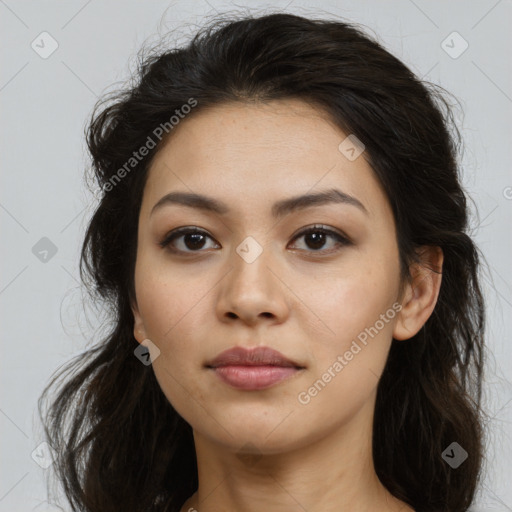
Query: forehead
x,y
271,127
259,150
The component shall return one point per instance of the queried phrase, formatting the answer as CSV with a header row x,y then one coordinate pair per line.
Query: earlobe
x,y
421,293
139,331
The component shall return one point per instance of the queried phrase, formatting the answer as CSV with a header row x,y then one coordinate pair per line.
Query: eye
x,y
316,236
193,239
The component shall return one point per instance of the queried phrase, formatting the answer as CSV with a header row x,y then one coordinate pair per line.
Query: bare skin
x,y
286,447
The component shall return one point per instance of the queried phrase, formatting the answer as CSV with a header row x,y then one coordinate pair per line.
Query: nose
x,y
254,290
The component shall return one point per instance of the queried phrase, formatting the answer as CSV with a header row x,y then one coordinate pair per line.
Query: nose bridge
x,y
251,261
251,287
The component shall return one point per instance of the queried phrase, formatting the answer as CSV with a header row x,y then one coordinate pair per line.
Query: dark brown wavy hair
x,y
120,444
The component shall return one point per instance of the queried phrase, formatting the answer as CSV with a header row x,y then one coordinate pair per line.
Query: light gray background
x,y
44,107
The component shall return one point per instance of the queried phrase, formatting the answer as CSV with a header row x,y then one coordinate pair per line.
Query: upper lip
x,y
258,356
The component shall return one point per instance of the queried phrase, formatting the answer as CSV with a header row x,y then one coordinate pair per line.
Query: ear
x,y
420,295
139,331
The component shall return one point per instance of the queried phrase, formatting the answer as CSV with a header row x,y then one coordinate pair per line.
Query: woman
x,y
297,318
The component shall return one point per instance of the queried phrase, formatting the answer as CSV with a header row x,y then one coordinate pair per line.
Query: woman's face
x,y
250,277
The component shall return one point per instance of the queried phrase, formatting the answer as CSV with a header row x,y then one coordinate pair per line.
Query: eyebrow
x,y
279,209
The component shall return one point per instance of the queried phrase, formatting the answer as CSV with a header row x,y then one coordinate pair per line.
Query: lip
x,y
253,369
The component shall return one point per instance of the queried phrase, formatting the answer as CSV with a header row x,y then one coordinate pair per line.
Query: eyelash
x,y
173,235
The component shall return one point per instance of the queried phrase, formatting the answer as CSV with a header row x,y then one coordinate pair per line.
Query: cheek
x,y
354,300
168,318
165,299
346,372
169,303
358,311
167,314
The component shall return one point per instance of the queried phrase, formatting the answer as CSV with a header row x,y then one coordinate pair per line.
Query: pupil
x,y
196,237
318,239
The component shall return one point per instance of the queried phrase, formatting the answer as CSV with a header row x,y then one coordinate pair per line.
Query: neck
x,y
330,473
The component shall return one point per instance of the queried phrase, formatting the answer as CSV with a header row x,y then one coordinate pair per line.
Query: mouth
x,y
253,369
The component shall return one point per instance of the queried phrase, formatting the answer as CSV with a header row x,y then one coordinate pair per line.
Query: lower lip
x,y
254,377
